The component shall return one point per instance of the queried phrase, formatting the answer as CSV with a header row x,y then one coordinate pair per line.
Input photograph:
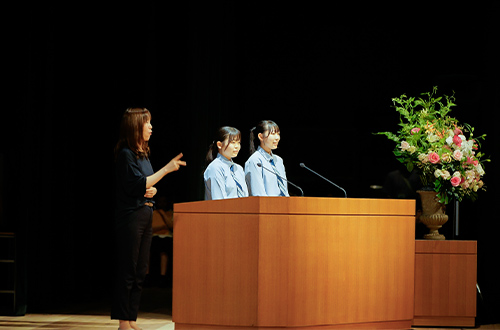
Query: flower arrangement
x,y
445,152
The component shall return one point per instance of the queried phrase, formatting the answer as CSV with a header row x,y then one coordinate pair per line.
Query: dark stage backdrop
x,y
325,73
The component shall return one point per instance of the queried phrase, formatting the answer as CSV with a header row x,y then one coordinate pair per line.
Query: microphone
x,y
304,166
282,178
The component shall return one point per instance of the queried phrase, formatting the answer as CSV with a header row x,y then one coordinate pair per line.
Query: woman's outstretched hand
x,y
175,163
172,166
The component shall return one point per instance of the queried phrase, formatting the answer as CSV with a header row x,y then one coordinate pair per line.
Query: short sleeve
x,y
129,175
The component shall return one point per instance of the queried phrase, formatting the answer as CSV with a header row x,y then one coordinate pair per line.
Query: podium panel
x,y
276,262
445,283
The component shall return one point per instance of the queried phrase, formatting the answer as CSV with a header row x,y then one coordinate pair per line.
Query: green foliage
x,y
435,144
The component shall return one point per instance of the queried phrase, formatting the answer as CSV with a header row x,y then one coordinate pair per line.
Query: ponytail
x,y
212,152
223,133
253,143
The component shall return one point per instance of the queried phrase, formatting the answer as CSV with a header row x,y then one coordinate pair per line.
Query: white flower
x,y
438,173
423,158
479,170
470,175
432,138
405,146
449,139
467,147
445,175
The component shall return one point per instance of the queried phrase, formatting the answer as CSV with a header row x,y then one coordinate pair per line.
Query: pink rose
x,y
415,130
455,181
457,140
434,157
457,131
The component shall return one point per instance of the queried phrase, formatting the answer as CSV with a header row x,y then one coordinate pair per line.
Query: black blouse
x,y
131,174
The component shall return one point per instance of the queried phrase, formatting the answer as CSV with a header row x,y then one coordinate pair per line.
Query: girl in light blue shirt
x,y
264,171
224,178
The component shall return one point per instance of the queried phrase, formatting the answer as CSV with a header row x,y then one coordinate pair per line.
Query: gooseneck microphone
x,y
282,178
304,166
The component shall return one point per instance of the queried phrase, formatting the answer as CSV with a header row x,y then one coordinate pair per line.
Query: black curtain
x,y
325,73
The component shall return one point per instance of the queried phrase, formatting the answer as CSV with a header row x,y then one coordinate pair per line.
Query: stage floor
x,y
67,321
155,314
148,321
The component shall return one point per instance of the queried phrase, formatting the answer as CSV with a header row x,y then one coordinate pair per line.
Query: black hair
x,y
262,127
223,133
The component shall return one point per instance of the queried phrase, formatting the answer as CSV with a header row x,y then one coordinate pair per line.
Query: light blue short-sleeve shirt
x,y
219,182
262,182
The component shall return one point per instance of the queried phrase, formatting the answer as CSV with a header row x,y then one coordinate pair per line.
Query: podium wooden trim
x,y
283,262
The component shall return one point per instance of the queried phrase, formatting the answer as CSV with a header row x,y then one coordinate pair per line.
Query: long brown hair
x,y
131,132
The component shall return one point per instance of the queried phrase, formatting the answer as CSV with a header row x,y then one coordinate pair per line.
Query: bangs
x,y
146,115
272,127
230,133
234,136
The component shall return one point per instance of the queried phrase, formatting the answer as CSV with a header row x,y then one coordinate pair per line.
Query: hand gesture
x,y
175,163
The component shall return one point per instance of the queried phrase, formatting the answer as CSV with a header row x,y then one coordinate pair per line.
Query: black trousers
x,y
132,244
159,245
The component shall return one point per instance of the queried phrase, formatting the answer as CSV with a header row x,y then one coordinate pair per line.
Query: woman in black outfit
x,y
135,180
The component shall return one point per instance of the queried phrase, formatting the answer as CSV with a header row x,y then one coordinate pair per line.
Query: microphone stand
x,y
304,166
282,178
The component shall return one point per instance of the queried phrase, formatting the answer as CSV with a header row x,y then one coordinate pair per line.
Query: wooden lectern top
x,y
301,205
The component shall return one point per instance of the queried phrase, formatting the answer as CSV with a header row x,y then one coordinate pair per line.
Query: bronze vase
x,y
433,214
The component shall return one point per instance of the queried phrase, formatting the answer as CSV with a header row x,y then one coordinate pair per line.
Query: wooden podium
x,y
293,262
445,283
